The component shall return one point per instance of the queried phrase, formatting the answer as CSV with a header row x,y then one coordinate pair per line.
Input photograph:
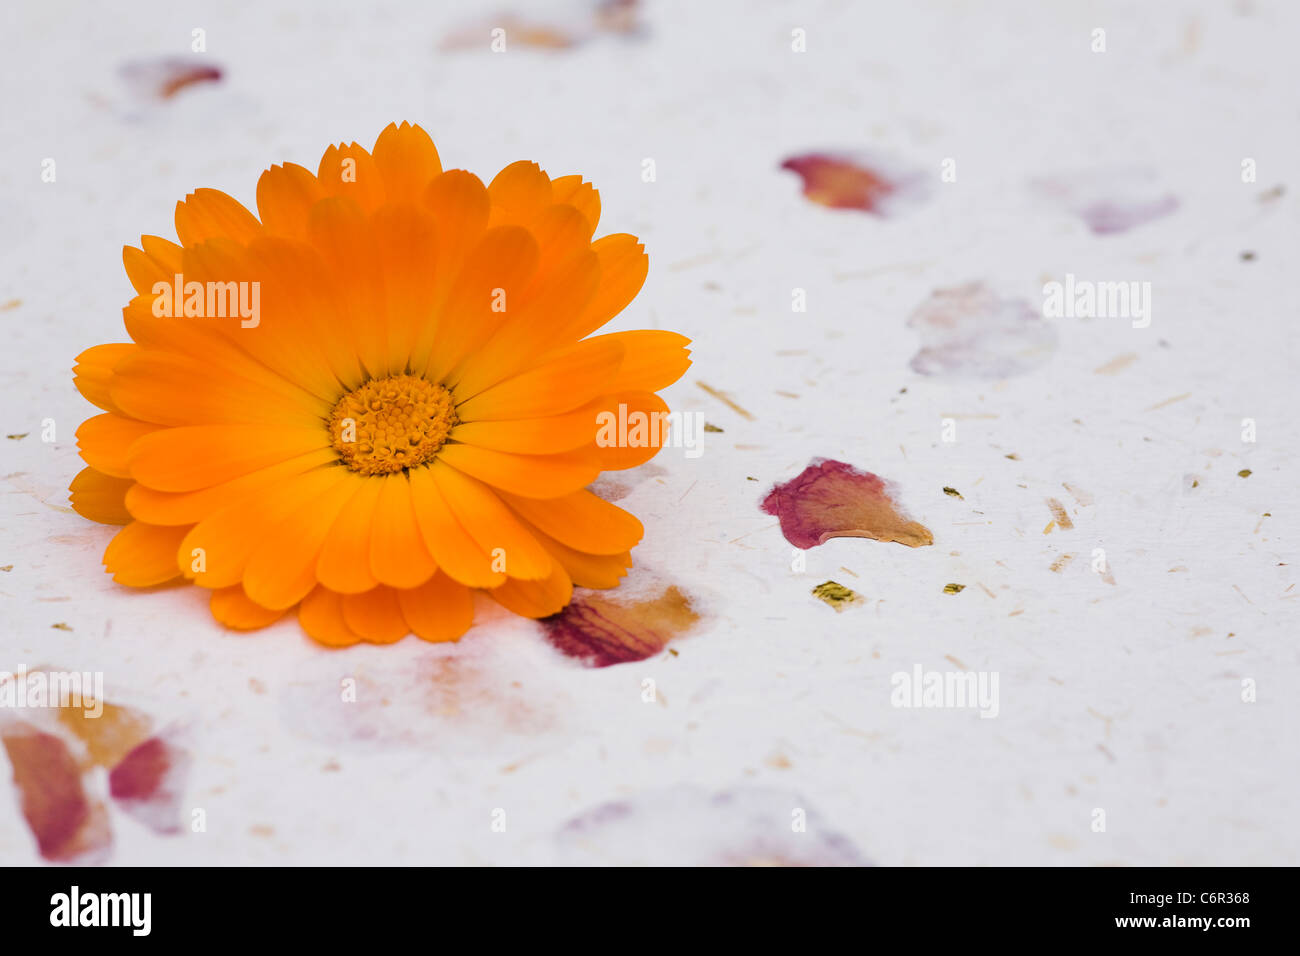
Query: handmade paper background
x,y
1120,691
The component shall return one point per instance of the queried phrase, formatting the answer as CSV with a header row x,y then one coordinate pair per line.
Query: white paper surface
x,y
1125,697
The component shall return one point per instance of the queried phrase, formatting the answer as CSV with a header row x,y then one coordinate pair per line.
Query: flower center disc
x,y
393,423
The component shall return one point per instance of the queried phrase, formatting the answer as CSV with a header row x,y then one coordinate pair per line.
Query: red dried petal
x,y
830,499
67,824
602,632
164,77
148,784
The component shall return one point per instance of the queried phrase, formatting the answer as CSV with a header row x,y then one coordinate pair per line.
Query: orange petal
x,y
301,336
535,598
216,551
281,349
460,205
406,239
144,271
171,389
582,521
344,562
157,260
100,497
321,616
94,372
634,428
163,251
307,335
285,195
492,525
623,268
142,555
582,196
209,213
106,440
532,476
652,360
438,610
398,556
224,343
455,552
375,615
407,159
200,456
189,507
233,608
623,457
534,436
569,378
599,571
458,202
282,569
350,172
519,192
530,330
342,234
561,232
493,277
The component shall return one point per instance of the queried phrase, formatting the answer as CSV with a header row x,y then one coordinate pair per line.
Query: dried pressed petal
x,y
602,631
67,823
969,331
148,784
863,183
830,499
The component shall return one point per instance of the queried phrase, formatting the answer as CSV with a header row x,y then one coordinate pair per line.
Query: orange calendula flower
x,y
378,394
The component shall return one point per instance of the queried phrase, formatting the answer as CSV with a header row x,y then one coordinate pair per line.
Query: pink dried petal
x,y
67,824
602,632
148,784
830,499
844,181
164,77
969,331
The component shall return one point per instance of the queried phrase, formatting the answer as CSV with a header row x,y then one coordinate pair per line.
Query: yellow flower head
x,y
375,395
